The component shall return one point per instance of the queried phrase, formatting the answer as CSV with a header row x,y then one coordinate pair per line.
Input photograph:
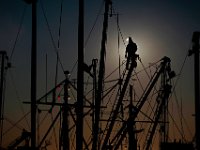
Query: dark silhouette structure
x,y
195,51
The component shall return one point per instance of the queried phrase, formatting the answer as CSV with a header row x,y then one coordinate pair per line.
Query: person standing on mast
x,y
130,53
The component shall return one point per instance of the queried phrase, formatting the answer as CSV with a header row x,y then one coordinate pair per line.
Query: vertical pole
x,y
195,49
46,79
80,76
116,110
3,55
94,63
65,128
33,75
123,130
132,140
167,89
101,75
130,122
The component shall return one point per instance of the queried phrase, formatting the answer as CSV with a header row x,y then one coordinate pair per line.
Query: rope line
x,y
18,98
60,22
97,17
173,91
51,36
18,32
15,124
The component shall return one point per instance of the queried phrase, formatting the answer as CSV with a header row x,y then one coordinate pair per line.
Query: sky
x,y
159,28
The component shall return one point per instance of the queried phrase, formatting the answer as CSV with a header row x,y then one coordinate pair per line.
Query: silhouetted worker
x,y
130,53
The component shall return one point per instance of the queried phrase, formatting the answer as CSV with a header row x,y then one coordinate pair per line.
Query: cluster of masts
x,y
111,140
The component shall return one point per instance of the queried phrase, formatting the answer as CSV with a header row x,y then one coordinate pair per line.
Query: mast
x,y
116,110
162,99
132,142
123,130
3,55
101,75
94,64
80,76
195,51
195,39
65,124
33,74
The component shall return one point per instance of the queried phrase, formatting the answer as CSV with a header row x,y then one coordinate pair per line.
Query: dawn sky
x,y
160,28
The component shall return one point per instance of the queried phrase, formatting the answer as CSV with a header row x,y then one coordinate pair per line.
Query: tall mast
x,y
94,63
101,75
132,142
195,50
116,110
123,130
195,39
80,76
3,55
65,123
33,74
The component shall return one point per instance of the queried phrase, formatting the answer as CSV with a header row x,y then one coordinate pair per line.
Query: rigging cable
x,y
18,98
15,124
149,104
57,57
54,131
139,81
119,31
152,64
114,71
179,113
181,116
176,126
90,33
51,36
173,90
44,118
18,32
59,30
11,56
97,17
144,68
181,119
118,46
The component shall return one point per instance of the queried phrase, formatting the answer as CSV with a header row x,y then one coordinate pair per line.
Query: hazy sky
x,y
160,28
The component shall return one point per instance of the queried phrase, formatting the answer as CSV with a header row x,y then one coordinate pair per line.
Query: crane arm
x,y
123,130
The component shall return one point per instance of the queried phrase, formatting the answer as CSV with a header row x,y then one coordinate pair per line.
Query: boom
x,y
123,130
